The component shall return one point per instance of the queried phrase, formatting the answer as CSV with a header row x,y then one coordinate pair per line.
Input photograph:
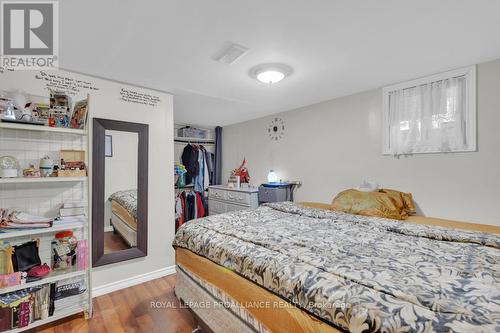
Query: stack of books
x,y
71,213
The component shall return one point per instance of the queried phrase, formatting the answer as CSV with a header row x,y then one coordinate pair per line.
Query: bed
x,y
124,215
291,268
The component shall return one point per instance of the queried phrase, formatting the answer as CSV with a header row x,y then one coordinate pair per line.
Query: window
x,y
431,115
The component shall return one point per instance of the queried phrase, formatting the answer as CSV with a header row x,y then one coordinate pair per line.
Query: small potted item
x,y
9,167
242,173
31,172
46,166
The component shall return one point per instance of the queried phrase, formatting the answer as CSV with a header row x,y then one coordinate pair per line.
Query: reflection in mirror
x,y
120,215
119,191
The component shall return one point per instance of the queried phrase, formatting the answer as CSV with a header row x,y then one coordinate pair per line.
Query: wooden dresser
x,y
222,199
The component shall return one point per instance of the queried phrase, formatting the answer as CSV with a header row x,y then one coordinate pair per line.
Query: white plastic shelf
x,y
57,315
187,139
25,180
38,231
51,277
39,128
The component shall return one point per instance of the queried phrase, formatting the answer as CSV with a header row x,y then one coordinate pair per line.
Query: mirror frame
x,y
99,258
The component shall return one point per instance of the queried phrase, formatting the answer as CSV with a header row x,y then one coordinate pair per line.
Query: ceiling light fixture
x,y
270,73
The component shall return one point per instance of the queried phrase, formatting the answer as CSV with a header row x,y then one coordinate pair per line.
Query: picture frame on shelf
x,y
80,115
60,109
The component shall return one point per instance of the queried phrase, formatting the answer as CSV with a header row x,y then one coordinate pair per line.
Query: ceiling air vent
x,y
230,54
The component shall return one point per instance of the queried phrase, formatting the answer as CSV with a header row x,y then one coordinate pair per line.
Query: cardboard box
x,y
74,164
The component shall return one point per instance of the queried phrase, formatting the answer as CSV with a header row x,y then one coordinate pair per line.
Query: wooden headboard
x,y
418,219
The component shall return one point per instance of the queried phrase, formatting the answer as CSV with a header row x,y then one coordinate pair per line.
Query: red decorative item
x,y
39,271
242,171
52,121
64,234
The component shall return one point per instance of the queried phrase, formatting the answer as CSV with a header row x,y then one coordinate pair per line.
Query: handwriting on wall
x,y
2,69
65,84
131,96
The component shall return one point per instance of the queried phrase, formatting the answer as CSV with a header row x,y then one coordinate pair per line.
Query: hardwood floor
x,y
114,242
131,310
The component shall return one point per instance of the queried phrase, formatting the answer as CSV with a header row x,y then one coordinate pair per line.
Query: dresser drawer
x,y
233,208
219,207
238,197
216,207
218,194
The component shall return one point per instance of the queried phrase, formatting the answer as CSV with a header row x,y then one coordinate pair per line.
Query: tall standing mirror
x,y
120,187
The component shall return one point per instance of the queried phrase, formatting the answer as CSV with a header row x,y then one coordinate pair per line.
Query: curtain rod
x,y
423,84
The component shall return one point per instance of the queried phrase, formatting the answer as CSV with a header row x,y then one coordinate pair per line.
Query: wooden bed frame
x,y
418,219
291,318
287,319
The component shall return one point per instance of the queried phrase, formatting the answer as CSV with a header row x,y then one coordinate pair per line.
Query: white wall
x,y
334,145
121,168
106,103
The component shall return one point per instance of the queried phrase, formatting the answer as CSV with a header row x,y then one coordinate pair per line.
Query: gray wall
x,y
334,145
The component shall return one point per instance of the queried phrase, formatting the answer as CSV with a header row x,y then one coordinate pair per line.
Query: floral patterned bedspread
x,y
128,200
362,274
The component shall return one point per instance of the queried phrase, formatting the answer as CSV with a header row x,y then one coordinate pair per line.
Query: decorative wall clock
x,y
276,129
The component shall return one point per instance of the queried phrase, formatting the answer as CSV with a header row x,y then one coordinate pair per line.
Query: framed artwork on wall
x,y
108,148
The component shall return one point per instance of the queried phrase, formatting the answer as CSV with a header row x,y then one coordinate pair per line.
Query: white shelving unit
x,y
41,196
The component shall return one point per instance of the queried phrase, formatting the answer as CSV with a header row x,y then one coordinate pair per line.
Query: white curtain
x,y
428,117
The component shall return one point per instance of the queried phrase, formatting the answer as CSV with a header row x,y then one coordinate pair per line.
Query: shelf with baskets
x,y
43,196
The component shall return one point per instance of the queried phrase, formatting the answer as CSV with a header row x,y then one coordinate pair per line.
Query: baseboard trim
x,y
132,281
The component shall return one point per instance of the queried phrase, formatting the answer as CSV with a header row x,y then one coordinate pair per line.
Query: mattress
x,y
358,273
128,200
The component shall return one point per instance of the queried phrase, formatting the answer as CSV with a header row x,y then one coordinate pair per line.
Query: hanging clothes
x,y
189,205
189,159
205,174
179,210
200,166
199,179
200,209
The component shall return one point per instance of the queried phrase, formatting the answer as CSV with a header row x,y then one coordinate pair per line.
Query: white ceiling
x,y
336,47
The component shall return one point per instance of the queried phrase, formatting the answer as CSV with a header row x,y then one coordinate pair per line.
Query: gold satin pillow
x,y
382,203
403,200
